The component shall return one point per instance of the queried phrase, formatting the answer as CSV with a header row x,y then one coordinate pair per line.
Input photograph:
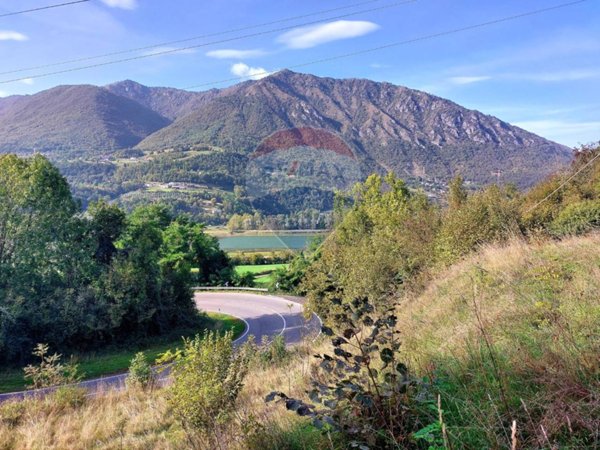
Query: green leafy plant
x,y
50,371
362,390
67,397
208,374
140,372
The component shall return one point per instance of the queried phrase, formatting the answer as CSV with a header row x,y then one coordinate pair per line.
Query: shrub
x,y
208,375
140,372
488,216
577,218
67,397
50,371
269,352
362,389
243,280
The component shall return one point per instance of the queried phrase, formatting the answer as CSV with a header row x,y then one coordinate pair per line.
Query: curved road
x,y
264,315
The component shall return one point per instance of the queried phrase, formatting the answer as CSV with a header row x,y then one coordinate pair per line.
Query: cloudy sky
x,y
540,72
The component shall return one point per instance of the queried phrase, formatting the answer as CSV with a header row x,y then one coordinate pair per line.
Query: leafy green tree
x,y
80,281
107,224
384,237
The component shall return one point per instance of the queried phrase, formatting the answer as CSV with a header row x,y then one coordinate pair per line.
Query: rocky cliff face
x,y
388,127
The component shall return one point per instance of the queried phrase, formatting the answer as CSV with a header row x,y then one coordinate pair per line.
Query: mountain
x,y
286,142
388,127
168,102
87,119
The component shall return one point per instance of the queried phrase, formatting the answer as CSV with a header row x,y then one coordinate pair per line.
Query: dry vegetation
x,y
135,419
511,333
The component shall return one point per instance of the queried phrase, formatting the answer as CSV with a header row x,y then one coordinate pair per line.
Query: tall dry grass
x,y
513,333
135,419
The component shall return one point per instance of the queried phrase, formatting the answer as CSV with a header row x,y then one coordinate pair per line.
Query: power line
x,y
333,58
562,185
41,8
193,38
397,44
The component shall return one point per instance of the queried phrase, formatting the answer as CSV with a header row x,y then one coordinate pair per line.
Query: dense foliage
x,y
390,237
81,281
386,236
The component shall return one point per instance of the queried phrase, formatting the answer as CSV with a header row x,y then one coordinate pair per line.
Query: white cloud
x,y
245,71
313,35
6,35
3,94
228,53
566,75
166,51
565,132
123,4
28,81
468,80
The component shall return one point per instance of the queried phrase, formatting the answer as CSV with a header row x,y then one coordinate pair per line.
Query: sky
x,y
540,72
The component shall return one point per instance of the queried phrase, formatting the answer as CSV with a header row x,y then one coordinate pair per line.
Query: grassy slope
x,y
107,363
512,334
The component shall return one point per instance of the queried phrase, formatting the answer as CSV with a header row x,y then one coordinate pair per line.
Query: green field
x,y
110,363
259,269
263,273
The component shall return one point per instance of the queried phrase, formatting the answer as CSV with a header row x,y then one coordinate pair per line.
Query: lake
x,y
268,242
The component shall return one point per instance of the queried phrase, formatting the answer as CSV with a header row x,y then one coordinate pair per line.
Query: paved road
x,y
264,315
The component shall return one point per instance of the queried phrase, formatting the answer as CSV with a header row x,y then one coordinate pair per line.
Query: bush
x,y
67,397
140,372
208,375
11,413
243,280
363,390
50,371
488,216
269,352
577,218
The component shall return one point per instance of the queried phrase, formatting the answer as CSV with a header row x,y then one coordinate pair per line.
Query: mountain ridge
x,y
422,137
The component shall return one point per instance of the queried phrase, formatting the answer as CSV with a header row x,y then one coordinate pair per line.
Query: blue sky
x,y
540,72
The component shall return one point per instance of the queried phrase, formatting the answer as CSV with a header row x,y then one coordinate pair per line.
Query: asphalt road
x,y
264,315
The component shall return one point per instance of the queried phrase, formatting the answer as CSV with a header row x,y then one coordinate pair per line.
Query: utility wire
x,y
41,8
347,55
563,184
193,38
192,47
397,44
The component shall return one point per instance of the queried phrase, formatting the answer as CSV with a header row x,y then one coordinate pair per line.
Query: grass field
x,y
259,269
263,274
109,363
